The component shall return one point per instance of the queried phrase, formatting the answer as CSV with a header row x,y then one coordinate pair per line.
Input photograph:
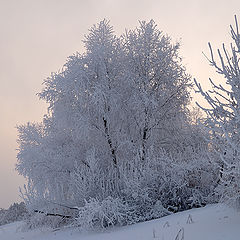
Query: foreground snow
x,y
215,222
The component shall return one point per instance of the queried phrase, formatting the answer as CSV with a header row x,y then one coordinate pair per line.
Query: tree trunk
x,y
109,140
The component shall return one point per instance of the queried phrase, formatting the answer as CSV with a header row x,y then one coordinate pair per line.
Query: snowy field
x,y
215,222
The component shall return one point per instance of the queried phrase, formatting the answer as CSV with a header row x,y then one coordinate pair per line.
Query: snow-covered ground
x,y
215,222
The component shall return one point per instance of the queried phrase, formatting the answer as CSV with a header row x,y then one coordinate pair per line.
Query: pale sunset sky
x,y
36,37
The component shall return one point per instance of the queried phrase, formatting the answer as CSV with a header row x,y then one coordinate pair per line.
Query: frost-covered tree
x,y
223,117
84,117
117,136
160,88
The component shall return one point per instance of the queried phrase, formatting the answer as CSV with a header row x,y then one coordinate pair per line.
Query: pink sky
x,y
37,36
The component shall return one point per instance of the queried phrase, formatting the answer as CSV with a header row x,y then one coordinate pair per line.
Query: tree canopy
x,y
117,140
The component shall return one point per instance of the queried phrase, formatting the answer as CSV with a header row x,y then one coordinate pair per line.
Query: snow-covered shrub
x,y
2,215
15,212
38,220
162,184
105,213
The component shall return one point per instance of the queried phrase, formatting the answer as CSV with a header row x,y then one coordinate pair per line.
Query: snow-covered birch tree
x,y
116,131
160,88
223,116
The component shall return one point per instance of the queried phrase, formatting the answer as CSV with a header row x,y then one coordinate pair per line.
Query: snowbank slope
x,y
215,222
